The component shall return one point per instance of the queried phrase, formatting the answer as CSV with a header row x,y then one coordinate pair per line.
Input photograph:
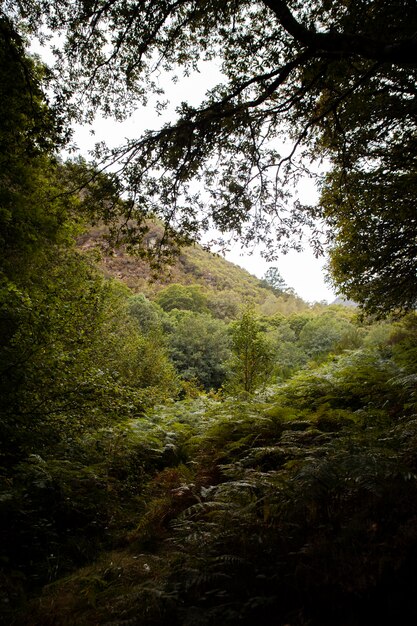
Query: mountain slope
x,y
218,277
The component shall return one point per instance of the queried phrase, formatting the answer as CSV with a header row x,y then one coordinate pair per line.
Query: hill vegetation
x,y
224,282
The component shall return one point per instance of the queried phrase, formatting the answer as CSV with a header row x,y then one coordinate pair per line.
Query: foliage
x,y
328,332
288,355
200,348
253,506
29,132
58,512
336,78
72,360
147,313
183,298
373,254
252,355
298,500
297,322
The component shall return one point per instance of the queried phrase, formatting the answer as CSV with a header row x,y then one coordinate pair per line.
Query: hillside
x,y
195,266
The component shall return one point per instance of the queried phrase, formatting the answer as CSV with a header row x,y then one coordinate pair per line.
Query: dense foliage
x,y
207,453
234,510
73,361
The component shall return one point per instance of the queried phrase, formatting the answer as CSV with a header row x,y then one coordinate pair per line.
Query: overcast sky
x,y
301,271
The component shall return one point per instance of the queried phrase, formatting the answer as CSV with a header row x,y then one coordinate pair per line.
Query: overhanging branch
x,y
402,52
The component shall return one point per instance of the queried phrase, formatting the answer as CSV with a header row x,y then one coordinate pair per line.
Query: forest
x,y
181,443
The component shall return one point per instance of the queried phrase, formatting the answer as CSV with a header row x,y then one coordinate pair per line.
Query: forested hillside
x,y
182,443
222,281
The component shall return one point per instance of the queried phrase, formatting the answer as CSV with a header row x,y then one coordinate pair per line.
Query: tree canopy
x,y
335,78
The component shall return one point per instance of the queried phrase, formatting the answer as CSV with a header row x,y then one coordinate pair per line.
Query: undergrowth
x,y
298,506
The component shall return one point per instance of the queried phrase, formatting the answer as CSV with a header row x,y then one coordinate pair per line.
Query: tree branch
x,y
396,52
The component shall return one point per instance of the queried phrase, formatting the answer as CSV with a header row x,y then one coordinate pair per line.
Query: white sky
x,y
301,271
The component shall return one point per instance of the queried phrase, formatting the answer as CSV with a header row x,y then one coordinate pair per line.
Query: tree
x,y
337,78
148,314
273,280
374,250
200,348
30,133
328,332
183,298
252,360
71,358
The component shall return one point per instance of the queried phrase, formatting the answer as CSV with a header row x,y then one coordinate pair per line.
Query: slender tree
x,y
251,363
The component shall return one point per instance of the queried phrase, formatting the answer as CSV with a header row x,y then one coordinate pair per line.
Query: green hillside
x,y
217,277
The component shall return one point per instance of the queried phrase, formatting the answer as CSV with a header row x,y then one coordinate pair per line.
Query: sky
x,y
301,271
